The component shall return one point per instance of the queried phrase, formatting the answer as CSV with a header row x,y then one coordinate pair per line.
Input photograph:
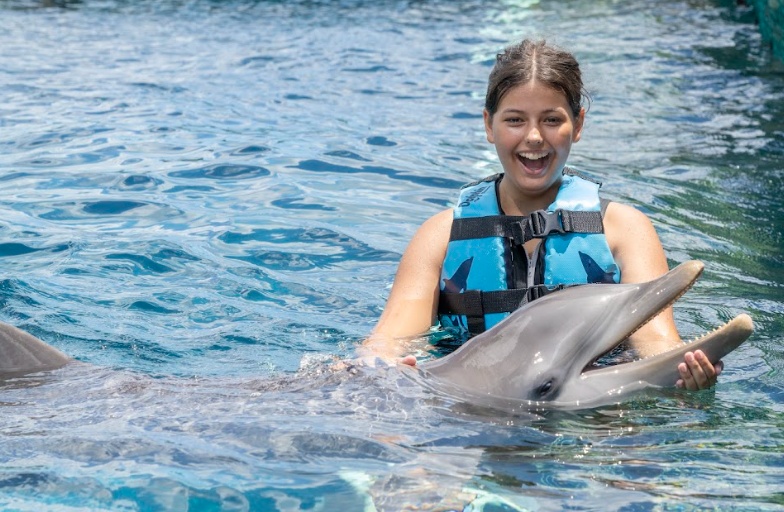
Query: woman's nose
x,y
533,136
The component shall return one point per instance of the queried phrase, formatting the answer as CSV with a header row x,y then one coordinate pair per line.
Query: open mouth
x,y
715,343
534,161
594,365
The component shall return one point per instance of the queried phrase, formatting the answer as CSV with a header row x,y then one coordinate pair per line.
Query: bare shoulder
x,y
619,215
626,224
634,243
426,250
435,230
441,220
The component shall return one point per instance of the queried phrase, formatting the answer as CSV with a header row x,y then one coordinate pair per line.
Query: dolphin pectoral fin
x,y
21,353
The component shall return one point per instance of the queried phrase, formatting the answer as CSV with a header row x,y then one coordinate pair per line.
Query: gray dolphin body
x,y
535,358
539,356
22,353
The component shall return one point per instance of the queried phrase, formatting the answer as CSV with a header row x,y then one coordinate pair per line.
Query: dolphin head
x,y
542,353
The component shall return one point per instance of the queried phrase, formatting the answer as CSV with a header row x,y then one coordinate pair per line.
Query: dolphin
x,y
22,353
541,356
538,357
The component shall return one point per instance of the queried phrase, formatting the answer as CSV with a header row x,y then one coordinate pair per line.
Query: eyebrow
x,y
518,111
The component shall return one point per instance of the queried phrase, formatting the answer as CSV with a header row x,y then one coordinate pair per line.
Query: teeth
x,y
697,338
533,156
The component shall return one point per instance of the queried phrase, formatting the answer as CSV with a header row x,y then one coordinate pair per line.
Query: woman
x,y
480,251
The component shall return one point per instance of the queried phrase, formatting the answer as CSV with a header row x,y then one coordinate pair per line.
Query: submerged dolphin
x,y
22,353
541,355
537,357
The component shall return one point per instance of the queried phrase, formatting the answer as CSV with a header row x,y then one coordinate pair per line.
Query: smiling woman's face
x,y
533,131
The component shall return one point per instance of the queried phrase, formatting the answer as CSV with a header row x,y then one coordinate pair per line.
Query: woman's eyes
x,y
552,121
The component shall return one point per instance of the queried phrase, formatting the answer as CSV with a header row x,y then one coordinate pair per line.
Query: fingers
x,y
409,360
697,372
681,383
686,380
708,375
719,366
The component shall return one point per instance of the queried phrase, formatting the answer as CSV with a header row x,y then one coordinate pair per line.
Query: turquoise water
x,y
206,200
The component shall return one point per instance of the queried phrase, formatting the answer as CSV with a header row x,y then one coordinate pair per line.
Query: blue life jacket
x,y
487,273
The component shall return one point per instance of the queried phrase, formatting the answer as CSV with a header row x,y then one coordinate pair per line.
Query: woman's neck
x,y
516,202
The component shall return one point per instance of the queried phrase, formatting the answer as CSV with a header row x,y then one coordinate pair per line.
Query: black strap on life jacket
x,y
521,229
475,304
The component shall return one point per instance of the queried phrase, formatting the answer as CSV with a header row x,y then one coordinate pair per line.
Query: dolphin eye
x,y
545,388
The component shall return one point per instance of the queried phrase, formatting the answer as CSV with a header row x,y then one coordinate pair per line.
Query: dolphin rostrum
x,y
541,355
537,357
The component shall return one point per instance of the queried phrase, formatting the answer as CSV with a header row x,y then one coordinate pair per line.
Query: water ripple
x,y
223,172
321,166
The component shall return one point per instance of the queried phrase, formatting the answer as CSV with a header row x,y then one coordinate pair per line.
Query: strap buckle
x,y
537,224
542,223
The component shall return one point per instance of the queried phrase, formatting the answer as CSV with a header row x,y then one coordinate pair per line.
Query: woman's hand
x,y
390,351
697,372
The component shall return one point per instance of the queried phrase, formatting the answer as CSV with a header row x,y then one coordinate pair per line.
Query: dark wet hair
x,y
536,61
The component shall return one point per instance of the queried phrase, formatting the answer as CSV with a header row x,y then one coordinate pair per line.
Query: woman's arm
x,y
639,253
413,301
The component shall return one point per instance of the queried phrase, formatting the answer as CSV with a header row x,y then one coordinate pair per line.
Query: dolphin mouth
x,y
660,369
652,309
610,383
595,366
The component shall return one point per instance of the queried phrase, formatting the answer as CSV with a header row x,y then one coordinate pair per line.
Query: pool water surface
x,y
204,203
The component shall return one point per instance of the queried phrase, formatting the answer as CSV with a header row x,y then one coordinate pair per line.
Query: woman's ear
x,y
488,126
